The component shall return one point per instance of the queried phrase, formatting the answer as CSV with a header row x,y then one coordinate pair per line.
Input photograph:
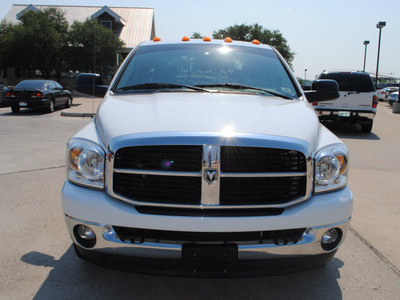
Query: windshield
x,y
210,66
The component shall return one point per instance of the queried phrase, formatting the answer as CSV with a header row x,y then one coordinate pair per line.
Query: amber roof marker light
x,y
228,40
185,39
156,39
256,42
207,39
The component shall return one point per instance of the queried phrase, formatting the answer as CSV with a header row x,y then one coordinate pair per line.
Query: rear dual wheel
x,y
366,128
15,108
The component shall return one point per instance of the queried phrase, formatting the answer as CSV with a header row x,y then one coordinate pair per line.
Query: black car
x,y
3,90
38,93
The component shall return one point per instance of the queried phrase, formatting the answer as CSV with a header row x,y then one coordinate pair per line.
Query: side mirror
x,y
323,90
90,84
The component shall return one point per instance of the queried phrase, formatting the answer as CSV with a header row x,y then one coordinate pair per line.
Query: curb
x,y
81,115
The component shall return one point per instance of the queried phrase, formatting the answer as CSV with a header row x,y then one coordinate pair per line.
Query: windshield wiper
x,y
239,86
161,85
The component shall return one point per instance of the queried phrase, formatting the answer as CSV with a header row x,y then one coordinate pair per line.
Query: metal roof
x,y
138,22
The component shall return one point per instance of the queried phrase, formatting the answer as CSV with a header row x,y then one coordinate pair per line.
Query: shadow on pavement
x,y
347,131
26,112
72,278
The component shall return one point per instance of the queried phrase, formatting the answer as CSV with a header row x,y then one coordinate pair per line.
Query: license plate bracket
x,y
209,258
344,114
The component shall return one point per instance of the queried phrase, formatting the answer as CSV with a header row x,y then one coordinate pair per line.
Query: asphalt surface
x,y
38,262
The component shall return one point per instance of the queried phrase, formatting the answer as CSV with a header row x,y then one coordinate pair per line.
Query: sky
x,y
324,35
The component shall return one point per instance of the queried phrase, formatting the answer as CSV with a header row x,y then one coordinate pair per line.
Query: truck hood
x,y
200,112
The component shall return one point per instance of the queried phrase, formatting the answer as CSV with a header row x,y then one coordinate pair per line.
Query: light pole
x,y
380,25
305,75
365,53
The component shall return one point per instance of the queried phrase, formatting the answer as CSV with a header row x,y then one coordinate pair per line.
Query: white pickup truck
x,y
205,158
356,104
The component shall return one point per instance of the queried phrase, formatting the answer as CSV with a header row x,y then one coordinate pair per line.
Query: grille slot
x,y
253,191
279,237
158,189
163,158
167,211
261,160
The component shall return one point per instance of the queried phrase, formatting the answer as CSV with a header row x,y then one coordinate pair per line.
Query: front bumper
x,y
103,214
253,259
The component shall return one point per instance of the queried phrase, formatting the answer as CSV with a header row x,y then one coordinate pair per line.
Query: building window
x,y
106,24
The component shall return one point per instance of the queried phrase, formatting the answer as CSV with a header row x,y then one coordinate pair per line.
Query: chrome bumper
x,y
355,114
109,243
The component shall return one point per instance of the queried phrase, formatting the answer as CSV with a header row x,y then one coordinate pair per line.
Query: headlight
x,y
331,164
85,163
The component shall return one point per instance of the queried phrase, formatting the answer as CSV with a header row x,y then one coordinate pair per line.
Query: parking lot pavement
x,y
374,178
38,262
32,140
83,106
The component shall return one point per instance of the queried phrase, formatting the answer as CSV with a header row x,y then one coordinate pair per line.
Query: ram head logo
x,y
211,175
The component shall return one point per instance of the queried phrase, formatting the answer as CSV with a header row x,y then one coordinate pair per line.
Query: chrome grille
x,y
205,176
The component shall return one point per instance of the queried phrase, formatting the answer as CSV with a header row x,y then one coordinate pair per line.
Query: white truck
x,y
205,158
356,104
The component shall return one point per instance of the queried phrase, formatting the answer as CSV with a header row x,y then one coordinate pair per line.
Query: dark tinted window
x,y
89,79
351,81
58,86
52,85
31,84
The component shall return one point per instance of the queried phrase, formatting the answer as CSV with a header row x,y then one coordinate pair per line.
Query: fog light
x,y
85,232
85,236
330,236
331,239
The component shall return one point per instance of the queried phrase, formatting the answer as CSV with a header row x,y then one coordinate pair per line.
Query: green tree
x,y
196,35
38,42
249,33
92,47
5,29
44,41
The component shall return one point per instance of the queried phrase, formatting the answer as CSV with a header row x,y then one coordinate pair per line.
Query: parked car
x,y
205,157
357,102
393,97
381,86
385,92
47,94
3,90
